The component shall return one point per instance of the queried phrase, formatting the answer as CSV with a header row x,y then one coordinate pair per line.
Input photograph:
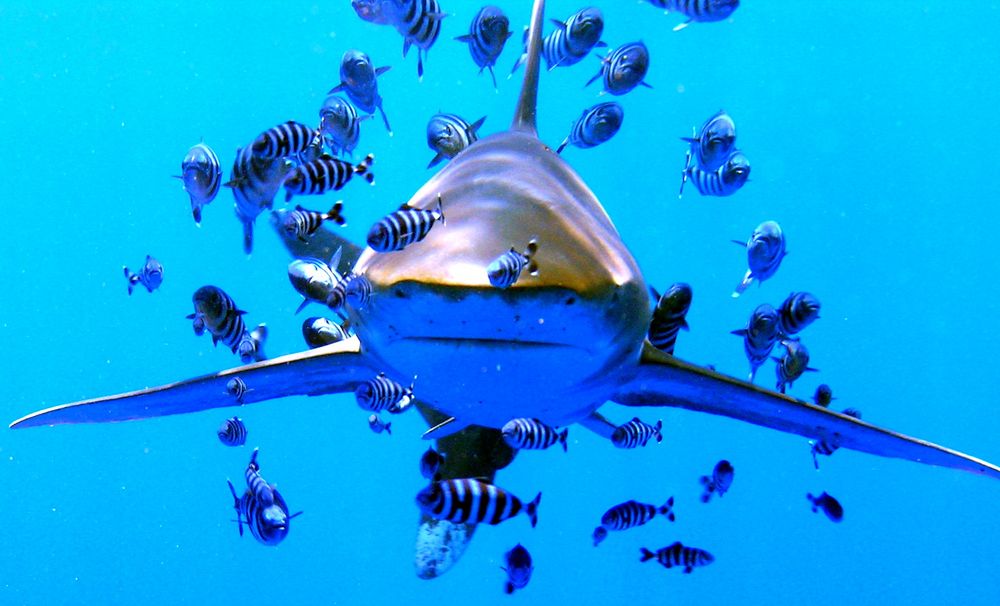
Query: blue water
x,y
870,128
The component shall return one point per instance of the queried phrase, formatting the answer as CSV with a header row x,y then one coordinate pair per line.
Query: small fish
x,y
792,364
828,443
320,331
218,313
251,345
233,432
712,143
448,134
852,412
632,513
624,68
504,271
261,508
201,174
379,12
830,506
635,433
314,279
518,568
765,250
357,290
382,393
799,310
324,174
340,125
407,225
719,482
823,395
418,21
760,336
600,533
303,223
596,125
702,11
724,181
150,276
287,140
430,463
377,426
255,181
532,434
358,80
487,36
571,41
467,500
237,388
678,555
669,316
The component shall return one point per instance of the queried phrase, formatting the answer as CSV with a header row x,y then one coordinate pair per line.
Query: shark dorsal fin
x,y
524,116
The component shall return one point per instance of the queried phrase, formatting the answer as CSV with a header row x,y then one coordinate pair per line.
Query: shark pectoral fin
x,y
599,425
663,380
322,244
338,367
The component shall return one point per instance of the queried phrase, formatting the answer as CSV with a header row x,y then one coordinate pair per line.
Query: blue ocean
x,y
868,126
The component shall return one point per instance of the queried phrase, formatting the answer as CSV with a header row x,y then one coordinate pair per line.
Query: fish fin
x,y
305,302
662,380
738,243
678,28
646,555
562,439
562,145
475,126
739,333
684,325
591,81
493,77
646,84
464,38
559,24
744,284
508,587
532,509
601,44
435,160
381,70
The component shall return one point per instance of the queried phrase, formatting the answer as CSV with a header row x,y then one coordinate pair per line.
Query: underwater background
x,y
871,130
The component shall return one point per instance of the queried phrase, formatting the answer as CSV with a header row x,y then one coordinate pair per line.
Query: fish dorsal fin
x,y
524,116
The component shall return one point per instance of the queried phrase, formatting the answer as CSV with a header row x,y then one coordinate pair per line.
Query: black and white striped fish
x,y
571,41
765,250
624,68
382,393
448,134
828,443
719,482
287,140
532,434
324,174
314,279
237,388
669,316
357,290
635,433
261,508
358,78
420,26
254,182
487,35
712,143
724,181
830,506
633,513
799,309
823,395
505,270
702,11
518,568
378,426
340,125
760,336
201,174
678,555
219,315
150,275
233,432
251,345
467,500
792,364
302,222
430,462
596,125
407,225
318,332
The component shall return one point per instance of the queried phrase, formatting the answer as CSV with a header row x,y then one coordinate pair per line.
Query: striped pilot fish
x,y
702,11
624,68
504,271
799,309
382,393
830,506
532,434
358,78
669,316
633,513
233,432
465,500
302,222
237,388
635,433
518,568
719,482
407,225
487,36
288,140
448,134
724,181
251,345
823,395
678,555
760,336
340,125
352,288
596,125
314,279
219,315
828,443
254,182
377,426
430,463
318,332
792,364
261,508
418,21
712,143
324,174
150,275
201,175
571,41
765,250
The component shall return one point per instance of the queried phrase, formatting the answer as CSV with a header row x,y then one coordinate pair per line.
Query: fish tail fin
x,y
658,428
562,439
248,237
196,213
440,210
532,510
364,168
436,159
646,555
388,428
743,285
335,214
131,278
508,588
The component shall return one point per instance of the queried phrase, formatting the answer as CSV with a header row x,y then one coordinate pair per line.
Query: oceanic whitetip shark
x,y
555,346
